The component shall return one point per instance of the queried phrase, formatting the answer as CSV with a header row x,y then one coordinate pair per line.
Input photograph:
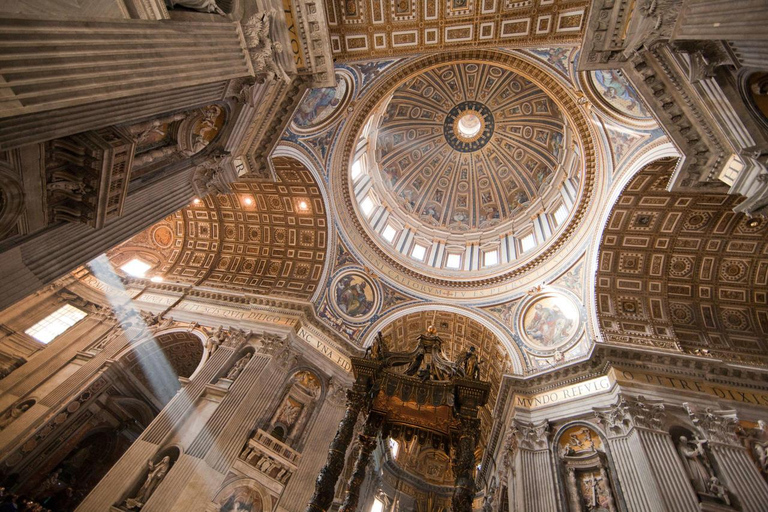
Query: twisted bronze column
x,y
329,474
464,465
367,443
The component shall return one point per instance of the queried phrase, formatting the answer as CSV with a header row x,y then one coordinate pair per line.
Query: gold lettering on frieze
x,y
736,394
325,349
157,299
564,394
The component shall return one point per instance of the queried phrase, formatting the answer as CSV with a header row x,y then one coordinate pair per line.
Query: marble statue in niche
x,y
696,463
197,5
238,367
14,413
699,469
156,474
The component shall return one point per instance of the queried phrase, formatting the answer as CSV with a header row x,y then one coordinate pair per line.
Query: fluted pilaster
x,y
329,474
651,475
535,476
736,469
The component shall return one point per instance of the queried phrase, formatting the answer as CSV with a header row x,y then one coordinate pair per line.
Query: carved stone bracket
x,y
628,413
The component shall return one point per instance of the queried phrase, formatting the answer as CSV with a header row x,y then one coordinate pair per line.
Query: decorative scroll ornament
x,y
629,412
716,426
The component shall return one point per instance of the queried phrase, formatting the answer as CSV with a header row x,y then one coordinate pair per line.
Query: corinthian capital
x,y
531,436
715,426
629,413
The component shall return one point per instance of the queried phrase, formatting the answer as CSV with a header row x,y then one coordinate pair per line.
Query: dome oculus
x,y
468,126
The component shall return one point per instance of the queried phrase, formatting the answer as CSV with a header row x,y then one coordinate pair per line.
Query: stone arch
x,y
268,238
295,152
156,362
658,152
516,358
247,486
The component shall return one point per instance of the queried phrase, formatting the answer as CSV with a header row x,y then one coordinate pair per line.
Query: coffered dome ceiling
x,y
464,169
467,146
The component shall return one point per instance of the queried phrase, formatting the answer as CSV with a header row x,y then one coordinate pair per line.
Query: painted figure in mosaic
x,y
549,325
351,297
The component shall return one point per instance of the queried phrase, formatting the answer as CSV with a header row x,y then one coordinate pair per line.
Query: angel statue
x,y
197,5
156,474
378,348
214,340
469,364
256,28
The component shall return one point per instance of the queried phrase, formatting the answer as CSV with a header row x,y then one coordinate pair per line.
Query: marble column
x,y
329,474
651,474
464,465
735,467
368,438
52,64
744,20
534,484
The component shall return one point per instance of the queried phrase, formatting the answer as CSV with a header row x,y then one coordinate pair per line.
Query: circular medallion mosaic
x,y
322,105
550,321
468,126
354,296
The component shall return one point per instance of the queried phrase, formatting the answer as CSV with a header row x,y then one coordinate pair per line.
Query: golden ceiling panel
x,y
377,28
678,271
265,237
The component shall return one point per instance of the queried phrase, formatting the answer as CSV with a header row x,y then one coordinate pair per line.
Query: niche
x,y
584,468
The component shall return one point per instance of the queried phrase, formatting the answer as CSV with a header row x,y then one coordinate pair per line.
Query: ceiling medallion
x,y
468,126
